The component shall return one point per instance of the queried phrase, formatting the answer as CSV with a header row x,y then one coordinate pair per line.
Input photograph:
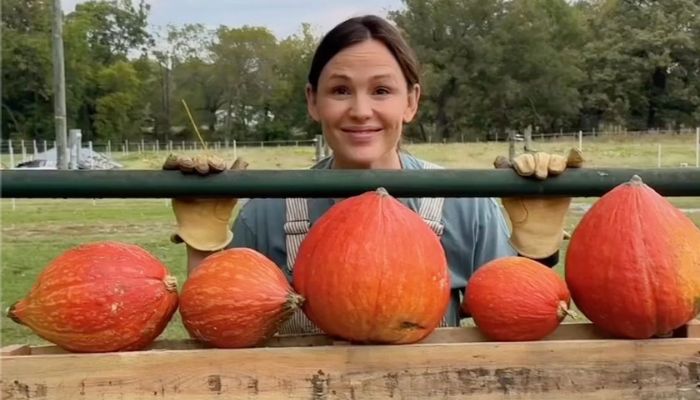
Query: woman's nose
x,y
361,107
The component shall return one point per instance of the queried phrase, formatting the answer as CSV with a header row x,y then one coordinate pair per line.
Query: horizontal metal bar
x,y
335,183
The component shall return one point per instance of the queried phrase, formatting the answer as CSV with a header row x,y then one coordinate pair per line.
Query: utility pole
x,y
59,87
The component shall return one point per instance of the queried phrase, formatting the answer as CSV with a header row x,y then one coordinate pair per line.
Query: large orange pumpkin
x,y
372,271
100,297
516,298
633,263
236,298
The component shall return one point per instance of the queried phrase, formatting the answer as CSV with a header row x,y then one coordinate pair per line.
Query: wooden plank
x,y
16,350
693,329
563,369
188,344
440,335
566,331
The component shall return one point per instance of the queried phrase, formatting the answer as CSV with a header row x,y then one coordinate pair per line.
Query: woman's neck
x,y
392,160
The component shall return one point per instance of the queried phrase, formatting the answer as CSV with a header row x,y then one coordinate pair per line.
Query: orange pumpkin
x,y
236,298
100,297
516,299
372,271
633,263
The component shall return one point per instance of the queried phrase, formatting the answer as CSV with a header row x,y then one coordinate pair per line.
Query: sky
x,y
282,17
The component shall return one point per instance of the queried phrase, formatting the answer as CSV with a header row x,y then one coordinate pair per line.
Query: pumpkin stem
x,y
382,192
294,301
636,180
170,282
11,313
563,311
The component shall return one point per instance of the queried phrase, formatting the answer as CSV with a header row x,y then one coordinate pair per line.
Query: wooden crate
x,y
575,362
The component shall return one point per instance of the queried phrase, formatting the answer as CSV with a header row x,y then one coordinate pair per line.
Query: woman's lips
x,y
361,135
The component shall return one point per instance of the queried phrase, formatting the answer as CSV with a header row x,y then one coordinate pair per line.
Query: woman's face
x,y
362,102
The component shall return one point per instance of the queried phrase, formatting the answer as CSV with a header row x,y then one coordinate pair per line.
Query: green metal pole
x,y
335,183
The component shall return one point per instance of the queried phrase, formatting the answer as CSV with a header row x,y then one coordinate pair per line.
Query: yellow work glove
x,y
202,223
538,222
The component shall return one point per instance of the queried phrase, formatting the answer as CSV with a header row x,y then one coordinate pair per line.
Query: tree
x,y
287,102
243,59
120,112
27,105
643,63
184,70
488,68
98,35
494,65
537,61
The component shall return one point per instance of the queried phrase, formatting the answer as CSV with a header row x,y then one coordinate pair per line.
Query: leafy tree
x,y
27,74
494,65
99,34
643,63
287,103
488,68
243,59
120,112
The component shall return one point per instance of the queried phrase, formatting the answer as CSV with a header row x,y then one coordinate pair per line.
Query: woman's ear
x,y
412,106
311,102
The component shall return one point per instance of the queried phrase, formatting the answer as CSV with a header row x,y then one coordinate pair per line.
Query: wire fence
x,y
15,153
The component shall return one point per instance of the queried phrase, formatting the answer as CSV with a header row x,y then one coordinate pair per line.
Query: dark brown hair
x,y
356,30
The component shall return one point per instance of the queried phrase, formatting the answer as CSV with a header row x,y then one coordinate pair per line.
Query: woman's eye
x,y
382,90
341,90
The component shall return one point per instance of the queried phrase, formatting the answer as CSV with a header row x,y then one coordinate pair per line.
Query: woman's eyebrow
x,y
383,76
337,75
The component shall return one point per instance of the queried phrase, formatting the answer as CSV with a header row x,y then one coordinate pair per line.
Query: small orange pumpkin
x,y
236,298
516,299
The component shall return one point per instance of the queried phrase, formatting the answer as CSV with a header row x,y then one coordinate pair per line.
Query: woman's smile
x,y
361,134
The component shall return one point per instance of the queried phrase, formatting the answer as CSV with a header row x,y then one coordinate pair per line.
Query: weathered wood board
x,y
576,362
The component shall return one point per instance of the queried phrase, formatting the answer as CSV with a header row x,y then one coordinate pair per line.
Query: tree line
x,y
488,67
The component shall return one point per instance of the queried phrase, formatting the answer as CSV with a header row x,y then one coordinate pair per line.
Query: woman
x,y
363,86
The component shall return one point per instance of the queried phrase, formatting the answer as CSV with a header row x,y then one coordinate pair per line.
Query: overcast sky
x,y
283,17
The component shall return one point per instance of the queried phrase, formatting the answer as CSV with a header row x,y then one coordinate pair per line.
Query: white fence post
x,y
319,147
697,147
12,153
75,138
580,140
92,159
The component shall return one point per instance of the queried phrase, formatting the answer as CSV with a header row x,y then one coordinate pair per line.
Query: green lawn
x,y
36,231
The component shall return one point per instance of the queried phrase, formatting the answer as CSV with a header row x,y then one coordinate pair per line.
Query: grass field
x,y
36,231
